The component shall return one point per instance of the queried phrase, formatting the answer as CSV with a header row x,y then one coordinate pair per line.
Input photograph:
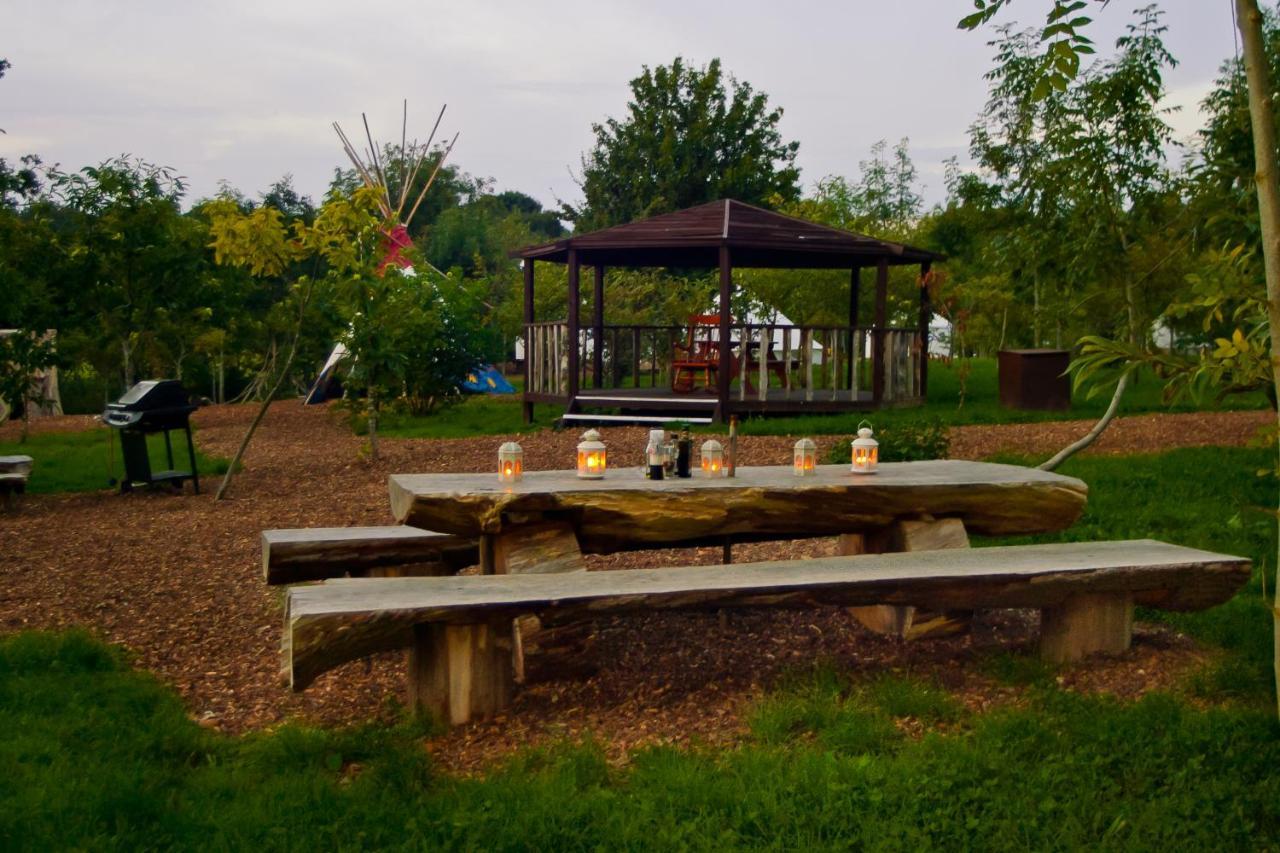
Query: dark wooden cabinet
x,y
1035,379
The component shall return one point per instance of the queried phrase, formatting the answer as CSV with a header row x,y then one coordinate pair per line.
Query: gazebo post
x,y
574,343
528,338
855,291
926,315
726,362
877,345
597,329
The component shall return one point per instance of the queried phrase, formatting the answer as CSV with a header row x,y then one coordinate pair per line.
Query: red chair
x,y
699,356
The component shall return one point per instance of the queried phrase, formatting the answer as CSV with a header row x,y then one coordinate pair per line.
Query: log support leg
x,y
547,547
1085,624
922,534
461,672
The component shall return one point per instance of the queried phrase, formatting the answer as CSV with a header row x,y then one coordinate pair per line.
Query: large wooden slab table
x,y
544,523
547,520
625,510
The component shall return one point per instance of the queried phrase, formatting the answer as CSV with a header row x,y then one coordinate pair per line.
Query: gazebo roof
x,y
756,238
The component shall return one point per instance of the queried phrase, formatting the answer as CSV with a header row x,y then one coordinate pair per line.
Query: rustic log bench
x,y
14,473
458,629
317,553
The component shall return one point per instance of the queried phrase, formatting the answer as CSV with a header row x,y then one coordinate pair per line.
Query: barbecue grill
x,y
160,405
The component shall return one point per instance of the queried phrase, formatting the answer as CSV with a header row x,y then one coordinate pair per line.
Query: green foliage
x,y
1061,37
903,442
883,202
23,355
691,135
1076,209
101,757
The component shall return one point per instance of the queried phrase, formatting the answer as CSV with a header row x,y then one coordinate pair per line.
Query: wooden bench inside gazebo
x,y
590,367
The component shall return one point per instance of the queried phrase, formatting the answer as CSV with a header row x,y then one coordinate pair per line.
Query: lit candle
x,y
805,458
712,458
510,462
866,451
591,456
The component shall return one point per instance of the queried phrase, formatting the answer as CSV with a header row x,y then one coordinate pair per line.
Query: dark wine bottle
x,y
684,454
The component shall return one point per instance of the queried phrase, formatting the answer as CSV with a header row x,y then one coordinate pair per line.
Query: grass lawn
x,y
486,415
78,461
98,756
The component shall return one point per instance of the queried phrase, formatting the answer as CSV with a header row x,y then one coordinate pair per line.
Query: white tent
x,y
939,336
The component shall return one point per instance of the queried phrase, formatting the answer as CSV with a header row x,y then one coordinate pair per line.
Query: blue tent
x,y
487,380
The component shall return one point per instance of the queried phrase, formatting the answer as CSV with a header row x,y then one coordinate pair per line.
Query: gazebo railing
x,y
903,353
799,363
546,358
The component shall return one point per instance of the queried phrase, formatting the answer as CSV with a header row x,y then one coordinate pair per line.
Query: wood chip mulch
x,y
177,580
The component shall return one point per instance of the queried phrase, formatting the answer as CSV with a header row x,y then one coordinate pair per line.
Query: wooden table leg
x,y
545,547
922,534
461,672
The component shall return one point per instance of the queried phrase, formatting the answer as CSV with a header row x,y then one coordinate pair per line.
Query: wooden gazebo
x,y
598,368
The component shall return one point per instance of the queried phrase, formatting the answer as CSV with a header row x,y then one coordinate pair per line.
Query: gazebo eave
x,y
705,254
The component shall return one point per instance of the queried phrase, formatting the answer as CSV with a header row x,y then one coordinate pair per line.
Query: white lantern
x,y
510,462
591,459
712,459
806,458
866,451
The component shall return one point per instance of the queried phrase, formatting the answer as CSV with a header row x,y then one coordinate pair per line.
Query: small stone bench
x,y
459,628
319,553
14,473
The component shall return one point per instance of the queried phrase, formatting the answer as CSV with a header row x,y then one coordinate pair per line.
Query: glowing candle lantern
x,y
866,451
510,462
712,459
591,459
806,458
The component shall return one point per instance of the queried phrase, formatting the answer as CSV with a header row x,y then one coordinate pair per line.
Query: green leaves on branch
x,y
1224,295
1063,42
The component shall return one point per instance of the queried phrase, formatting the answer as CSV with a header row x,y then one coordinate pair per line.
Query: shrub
x,y
909,442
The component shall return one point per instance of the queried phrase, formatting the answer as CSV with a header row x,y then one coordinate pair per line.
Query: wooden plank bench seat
x,y
316,553
459,628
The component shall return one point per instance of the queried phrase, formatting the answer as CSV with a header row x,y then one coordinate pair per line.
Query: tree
x,y
334,246
1262,120
690,135
23,356
130,261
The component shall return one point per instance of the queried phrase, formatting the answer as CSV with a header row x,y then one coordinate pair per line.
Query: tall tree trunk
x,y
275,388
127,364
1257,73
1035,309
373,427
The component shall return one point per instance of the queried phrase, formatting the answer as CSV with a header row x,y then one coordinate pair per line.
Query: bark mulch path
x,y
177,580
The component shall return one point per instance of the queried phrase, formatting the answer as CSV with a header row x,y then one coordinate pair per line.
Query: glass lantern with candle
x,y
591,460
806,458
866,451
712,459
510,462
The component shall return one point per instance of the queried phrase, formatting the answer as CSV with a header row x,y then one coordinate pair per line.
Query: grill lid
x,y
152,394
156,403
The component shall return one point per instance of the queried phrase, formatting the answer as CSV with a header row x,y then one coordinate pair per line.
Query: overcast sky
x,y
246,91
